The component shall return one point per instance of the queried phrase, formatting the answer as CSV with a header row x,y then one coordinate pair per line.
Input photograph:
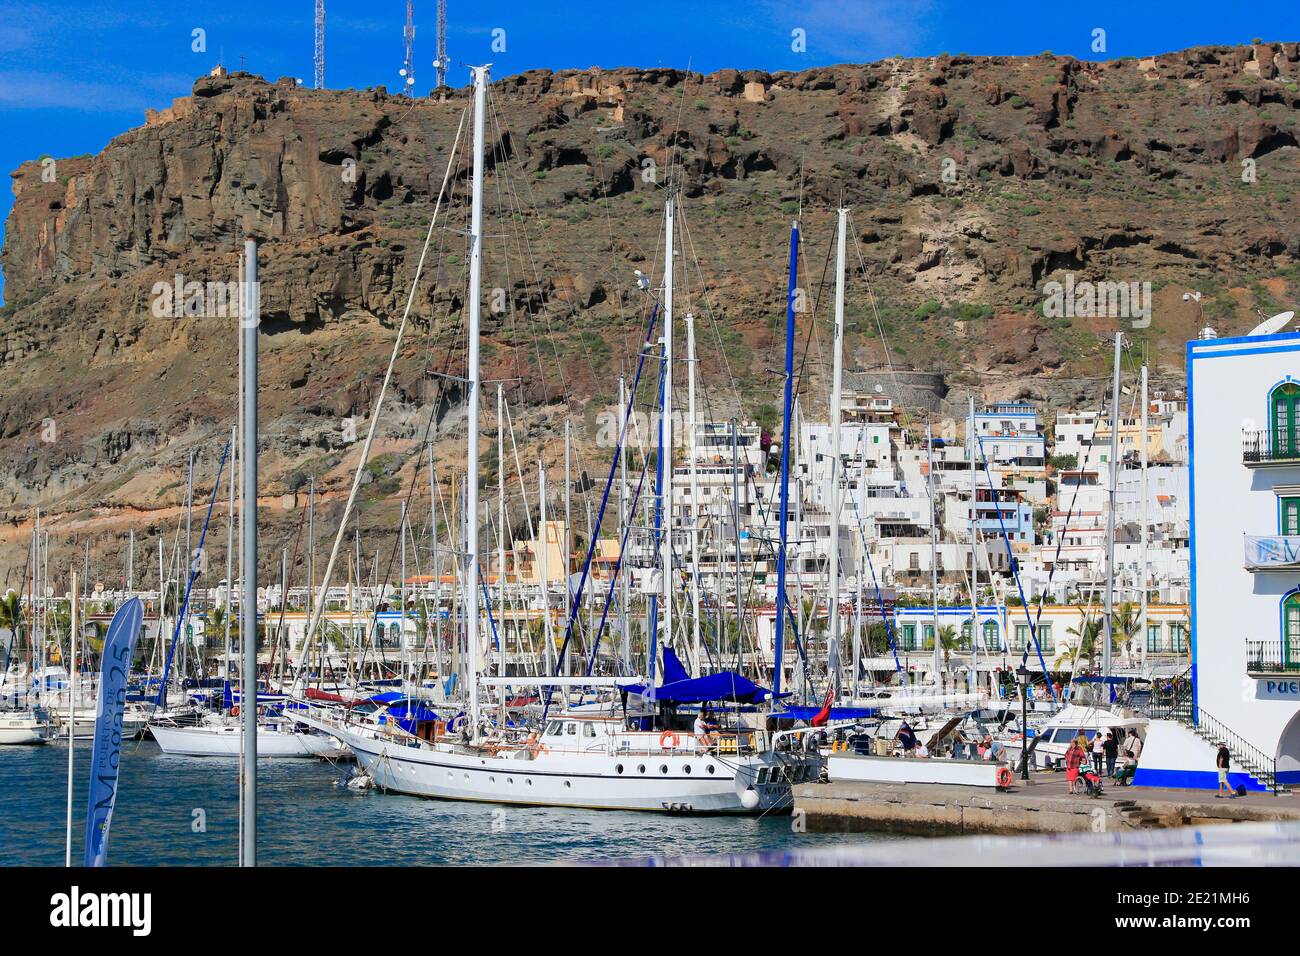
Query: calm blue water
x,y
306,817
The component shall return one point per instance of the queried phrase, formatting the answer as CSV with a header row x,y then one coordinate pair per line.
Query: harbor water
x,y
181,811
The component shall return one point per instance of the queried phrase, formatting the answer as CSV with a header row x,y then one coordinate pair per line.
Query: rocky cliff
x,y
974,181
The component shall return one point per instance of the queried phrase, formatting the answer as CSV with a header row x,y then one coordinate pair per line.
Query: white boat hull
x,y
224,741
684,782
24,728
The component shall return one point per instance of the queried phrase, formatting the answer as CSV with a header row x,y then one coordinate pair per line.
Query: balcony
x,y
1278,657
1258,451
1276,552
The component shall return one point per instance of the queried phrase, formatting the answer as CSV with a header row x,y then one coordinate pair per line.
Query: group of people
x,y
1114,756
984,749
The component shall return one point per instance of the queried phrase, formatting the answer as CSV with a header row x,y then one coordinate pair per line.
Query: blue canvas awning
x,y
725,685
837,713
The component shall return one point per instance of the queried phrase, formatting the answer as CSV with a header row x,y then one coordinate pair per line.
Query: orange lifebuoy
x,y
670,740
234,711
1004,777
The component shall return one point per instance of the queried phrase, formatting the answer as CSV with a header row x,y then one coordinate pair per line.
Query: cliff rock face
x,y
973,182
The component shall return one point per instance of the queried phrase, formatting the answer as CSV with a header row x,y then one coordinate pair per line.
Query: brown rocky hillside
x,y
973,181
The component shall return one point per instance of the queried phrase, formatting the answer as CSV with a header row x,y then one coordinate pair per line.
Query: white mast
x,y
230,556
248,557
695,496
833,564
501,534
1110,510
72,715
471,543
939,676
1142,580
625,520
973,684
567,557
666,433
543,546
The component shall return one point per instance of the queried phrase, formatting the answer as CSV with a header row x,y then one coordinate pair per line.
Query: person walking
x,y
1224,762
1098,752
1111,750
1074,759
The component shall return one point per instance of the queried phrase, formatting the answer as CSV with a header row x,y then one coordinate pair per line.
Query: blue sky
x,y
75,73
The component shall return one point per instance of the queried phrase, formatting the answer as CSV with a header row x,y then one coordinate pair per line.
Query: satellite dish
x,y
1275,324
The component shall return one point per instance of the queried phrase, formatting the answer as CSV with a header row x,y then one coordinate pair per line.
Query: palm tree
x,y
1086,637
1125,623
948,642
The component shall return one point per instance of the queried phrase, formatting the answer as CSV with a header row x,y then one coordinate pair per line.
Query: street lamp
x,y
1022,672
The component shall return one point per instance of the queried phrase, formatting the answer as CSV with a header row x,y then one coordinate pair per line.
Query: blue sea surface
x,y
184,811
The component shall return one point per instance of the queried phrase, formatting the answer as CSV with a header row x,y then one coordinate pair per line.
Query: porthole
x,y
712,769
640,768
618,768
530,781
492,779
688,768
568,785
510,781
663,768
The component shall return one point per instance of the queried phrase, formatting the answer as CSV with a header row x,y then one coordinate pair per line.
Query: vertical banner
x,y
119,646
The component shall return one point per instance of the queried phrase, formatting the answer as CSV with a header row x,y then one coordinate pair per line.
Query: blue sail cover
x,y
674,670
106,755
725,685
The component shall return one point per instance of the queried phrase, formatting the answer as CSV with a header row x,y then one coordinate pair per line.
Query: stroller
x,y
1091,781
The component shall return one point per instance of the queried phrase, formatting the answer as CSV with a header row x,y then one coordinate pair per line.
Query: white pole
x,y
1142,581
666,432
230,556
625,520
1110,509
973,684
939,676
501,534
472,386
72,717
833,562
567,557
248,558
548,644
694,516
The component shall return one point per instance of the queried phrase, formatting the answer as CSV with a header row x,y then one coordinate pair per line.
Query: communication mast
x,y
408,34
440,61
319,81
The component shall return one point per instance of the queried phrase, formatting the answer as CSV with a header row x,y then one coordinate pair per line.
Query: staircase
x,y
1246,758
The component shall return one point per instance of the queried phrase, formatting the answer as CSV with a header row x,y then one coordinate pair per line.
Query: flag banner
x,y
1272,551
119,646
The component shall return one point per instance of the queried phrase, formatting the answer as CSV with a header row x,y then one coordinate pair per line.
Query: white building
x,y
1245,598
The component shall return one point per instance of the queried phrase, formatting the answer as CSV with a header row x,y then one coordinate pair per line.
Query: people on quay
x,y
1098,752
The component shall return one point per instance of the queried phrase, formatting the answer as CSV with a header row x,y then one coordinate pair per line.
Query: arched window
x,y
991,636
1285,417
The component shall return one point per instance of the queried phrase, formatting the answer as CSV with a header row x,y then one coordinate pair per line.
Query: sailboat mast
x,y
248,557
625,520
833,564
939,676
695,494
1142,581
1110,508
974,564
470,580
666,435
778,649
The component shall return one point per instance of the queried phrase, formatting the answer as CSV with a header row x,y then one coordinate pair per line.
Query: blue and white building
x,y
1244,450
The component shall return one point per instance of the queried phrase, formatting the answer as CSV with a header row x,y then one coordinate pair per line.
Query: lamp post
x,y
1022,673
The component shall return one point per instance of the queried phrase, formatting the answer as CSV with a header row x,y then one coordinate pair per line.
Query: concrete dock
x,y
1042,806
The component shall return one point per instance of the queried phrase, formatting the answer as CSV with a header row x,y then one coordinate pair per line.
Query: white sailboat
x,y
219,736
576,759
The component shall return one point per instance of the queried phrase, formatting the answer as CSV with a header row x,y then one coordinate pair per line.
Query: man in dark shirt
x,y
1111,749
1224,762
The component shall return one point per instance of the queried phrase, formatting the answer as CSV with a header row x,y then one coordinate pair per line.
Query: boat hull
x,y
24,729
660,782
225,742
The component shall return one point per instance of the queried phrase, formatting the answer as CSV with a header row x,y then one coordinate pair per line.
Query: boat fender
x,y
1004,778
670,740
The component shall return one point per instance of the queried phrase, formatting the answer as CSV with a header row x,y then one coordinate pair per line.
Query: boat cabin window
x,y
588,730
554,728
571,729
